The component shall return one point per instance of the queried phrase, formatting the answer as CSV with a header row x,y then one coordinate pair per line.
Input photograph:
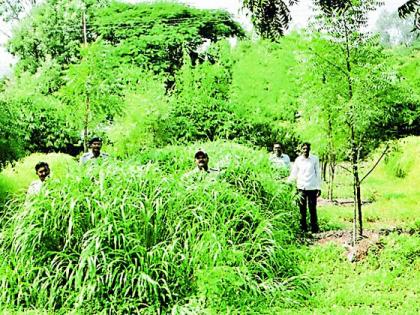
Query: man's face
x,y
277,149
305,150
43,172
96,146
201,160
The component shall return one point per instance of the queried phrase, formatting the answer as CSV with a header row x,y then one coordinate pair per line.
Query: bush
x,y
127,236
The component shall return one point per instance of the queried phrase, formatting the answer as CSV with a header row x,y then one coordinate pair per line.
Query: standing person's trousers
x,y
308,198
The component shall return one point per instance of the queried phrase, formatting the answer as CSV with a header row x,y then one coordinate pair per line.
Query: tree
x,y
13,10
393,30
265,86
321,100
370,89
409,8
11,140
270,17
95,87
155,37
53,30
158,37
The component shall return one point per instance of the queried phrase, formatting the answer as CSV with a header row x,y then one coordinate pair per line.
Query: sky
x,y
300,16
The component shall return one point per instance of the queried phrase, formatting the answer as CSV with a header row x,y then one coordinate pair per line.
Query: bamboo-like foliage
x,y
125,237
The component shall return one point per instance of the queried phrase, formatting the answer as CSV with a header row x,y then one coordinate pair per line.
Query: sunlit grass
x,y
386,282
392,188
124,236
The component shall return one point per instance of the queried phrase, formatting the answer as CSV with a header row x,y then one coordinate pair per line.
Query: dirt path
x,y
345,238
343,202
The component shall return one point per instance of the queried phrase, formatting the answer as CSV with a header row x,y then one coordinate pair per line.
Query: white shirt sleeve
x,y
294,172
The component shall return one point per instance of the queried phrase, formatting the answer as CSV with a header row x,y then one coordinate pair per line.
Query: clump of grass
x,y
385,281
124,237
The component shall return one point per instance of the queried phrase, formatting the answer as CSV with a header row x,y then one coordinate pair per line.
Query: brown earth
x,y
358,251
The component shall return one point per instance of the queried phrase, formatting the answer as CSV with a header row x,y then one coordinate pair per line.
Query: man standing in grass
x,y
306,173
201,159
43,171
279,159
95,145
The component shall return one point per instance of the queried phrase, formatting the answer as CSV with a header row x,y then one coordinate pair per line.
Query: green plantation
x,y
144,230
124,236
138,236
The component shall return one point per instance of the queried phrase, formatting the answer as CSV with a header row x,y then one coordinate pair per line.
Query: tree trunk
x,y
324,165
358,220
86,123
85,127
331,180
359,205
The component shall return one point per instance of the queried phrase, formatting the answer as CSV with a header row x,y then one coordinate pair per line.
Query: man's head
x,y
305,149
277,149
201,159
95,143
42,170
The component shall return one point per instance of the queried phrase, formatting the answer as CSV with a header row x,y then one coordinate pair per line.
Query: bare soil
x,y
358,251
344,202
345,238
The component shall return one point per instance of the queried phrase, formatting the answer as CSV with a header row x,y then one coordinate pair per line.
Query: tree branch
x,y
5,34
15,14
329,62
376,164
345,168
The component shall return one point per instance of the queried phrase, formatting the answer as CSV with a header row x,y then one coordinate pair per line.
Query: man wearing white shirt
x,y
95,145
43,171
278,158
306,173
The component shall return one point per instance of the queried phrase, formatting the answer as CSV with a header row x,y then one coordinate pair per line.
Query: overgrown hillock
x,y
129,236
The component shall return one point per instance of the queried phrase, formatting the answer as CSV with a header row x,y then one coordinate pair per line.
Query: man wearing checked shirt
x,y
306,173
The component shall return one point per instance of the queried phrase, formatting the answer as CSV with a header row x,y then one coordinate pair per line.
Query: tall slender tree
x,y
369,89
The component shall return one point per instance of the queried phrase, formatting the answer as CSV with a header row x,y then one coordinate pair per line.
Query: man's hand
x,y
318,193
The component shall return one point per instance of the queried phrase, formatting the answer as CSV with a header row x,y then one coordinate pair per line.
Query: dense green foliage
x,y
157,37
138,233
89,84
127,236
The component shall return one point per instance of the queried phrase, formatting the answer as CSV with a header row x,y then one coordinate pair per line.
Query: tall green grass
x,y
129,237
15,179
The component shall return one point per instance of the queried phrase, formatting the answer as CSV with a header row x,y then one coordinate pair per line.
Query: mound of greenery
x,y
129,236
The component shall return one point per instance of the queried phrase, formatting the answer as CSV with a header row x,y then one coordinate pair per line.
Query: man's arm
x,y
294,172
287,161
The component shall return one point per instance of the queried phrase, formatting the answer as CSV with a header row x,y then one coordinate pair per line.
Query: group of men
x,y
42,169
305,171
